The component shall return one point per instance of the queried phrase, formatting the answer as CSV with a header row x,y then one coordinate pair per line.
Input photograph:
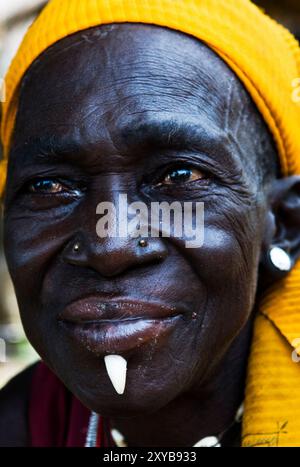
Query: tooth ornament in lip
x,y
116,367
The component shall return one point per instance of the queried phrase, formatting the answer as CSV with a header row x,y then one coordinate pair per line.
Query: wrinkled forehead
x,y
121,67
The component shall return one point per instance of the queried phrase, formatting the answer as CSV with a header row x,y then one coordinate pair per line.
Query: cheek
x,y
29,247
228,260
227,267
31,244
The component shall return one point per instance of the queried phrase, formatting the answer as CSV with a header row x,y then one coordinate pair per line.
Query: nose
x,y
113,256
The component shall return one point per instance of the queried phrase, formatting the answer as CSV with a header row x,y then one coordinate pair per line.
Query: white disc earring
x,y
280,259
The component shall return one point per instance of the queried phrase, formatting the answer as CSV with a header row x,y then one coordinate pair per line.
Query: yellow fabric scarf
x,y
266,58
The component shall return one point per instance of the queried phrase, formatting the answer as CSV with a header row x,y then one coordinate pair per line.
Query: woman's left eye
x,y
46,186
181,175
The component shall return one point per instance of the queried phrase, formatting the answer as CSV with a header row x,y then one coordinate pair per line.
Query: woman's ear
x,y
282,229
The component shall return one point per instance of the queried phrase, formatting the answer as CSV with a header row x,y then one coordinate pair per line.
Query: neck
x,y
204,411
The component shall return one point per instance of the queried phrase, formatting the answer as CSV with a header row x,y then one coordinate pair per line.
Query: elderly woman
x,y
143,341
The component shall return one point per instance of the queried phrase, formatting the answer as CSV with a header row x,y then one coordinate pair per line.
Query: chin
x,y
129,404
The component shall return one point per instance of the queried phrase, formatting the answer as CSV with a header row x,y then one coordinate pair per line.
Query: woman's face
x,y
153,114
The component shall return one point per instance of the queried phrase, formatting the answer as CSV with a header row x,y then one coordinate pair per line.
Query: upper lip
x,y
95,309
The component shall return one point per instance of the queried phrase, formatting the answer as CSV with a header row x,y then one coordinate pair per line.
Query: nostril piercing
x,y
143,243
76,247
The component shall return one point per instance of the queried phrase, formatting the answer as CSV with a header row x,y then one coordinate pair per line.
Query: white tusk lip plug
x,y
116,367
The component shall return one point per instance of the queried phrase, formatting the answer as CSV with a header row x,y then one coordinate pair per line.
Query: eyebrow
x,y
168,132
160,133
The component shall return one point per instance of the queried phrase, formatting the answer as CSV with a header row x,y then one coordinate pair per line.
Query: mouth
x,y
118,325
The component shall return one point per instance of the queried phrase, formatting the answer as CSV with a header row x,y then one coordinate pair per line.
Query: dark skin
x,y
123,108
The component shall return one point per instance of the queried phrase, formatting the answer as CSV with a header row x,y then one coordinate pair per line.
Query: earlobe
x,y
281,246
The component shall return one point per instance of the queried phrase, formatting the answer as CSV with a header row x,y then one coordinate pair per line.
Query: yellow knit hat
x,y
266,58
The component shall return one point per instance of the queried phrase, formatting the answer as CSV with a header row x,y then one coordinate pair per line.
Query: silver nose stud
x,y
76,247
143,243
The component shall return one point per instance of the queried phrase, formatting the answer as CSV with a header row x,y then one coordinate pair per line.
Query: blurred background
x,y
15,17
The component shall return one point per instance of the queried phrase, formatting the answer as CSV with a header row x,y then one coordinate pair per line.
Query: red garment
x,y
56,417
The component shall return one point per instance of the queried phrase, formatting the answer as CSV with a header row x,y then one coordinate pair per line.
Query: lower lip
x,y
119,337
